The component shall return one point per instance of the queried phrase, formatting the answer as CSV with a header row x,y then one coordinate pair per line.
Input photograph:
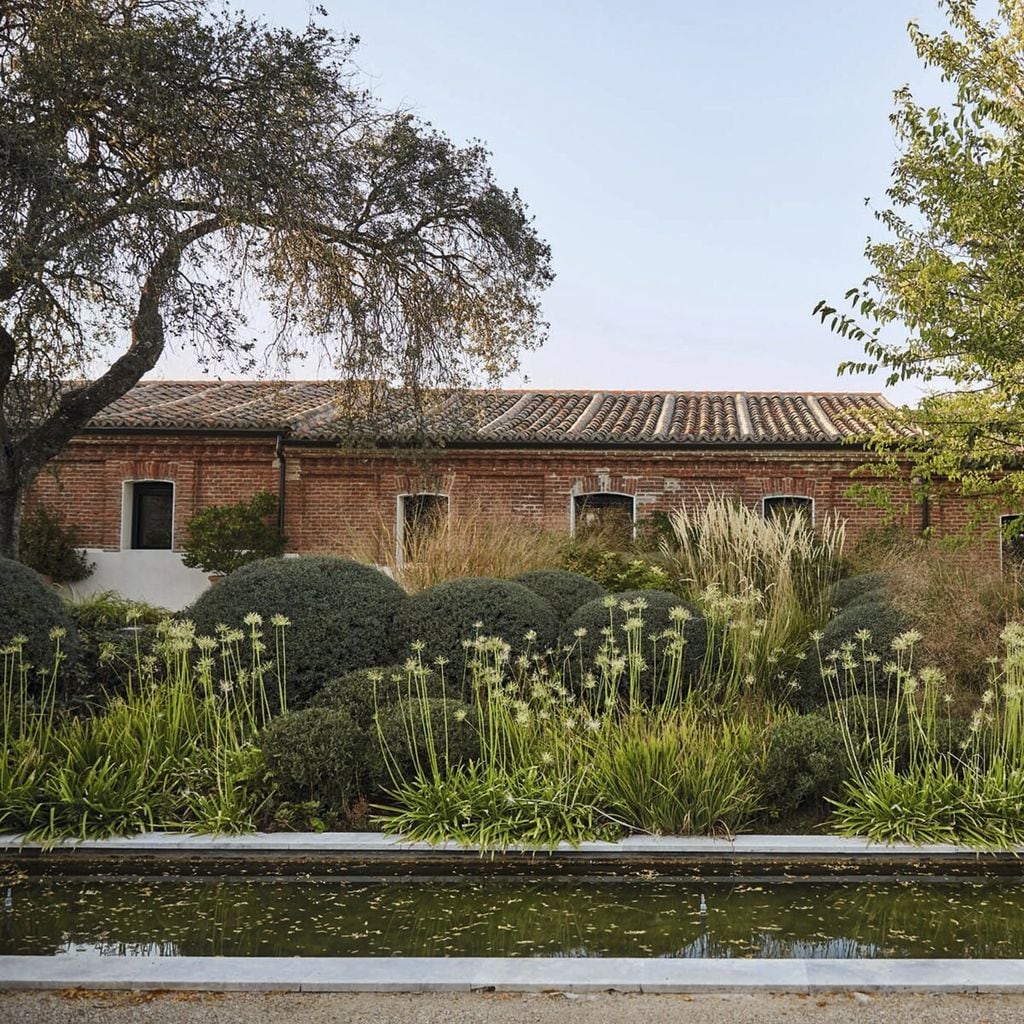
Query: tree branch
x,y
77,406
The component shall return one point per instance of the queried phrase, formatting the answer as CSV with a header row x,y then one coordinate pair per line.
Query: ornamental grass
x,y
762,584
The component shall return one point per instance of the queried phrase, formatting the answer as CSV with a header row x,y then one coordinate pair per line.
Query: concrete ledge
x,y
528,974
374,844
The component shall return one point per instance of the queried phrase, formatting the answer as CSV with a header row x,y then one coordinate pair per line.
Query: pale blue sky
x,y
699,168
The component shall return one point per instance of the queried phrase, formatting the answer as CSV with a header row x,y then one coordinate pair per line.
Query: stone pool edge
x,y
496,974
632,848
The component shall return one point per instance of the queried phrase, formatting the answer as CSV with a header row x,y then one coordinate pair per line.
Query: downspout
x,y
926,506
279,455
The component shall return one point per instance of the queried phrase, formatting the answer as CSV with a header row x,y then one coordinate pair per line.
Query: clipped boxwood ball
x,y
342,615
882,620
805,762
29,607
366,690
868,586
595,616
319,754
565,591
407,729
444,615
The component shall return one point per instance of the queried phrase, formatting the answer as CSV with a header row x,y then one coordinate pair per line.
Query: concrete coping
x,y
636,847
513,974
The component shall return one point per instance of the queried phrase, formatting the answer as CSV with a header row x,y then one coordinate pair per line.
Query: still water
x,y
473,916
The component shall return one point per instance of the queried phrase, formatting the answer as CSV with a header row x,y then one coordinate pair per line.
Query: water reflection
x,y
561,917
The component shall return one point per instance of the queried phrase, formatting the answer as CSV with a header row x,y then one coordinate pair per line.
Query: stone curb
x,y
376,843
528,974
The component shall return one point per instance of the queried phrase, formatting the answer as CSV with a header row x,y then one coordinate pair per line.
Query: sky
x,y
699,169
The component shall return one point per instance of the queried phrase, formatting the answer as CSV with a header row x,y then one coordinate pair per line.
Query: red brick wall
x,y
338,500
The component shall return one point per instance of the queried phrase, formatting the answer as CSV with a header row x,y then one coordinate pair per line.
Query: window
x,y
787,506
152,524
419,515
610,516
1011,543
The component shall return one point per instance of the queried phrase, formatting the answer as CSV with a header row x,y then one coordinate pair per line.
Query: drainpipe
x,y
926,507
279,455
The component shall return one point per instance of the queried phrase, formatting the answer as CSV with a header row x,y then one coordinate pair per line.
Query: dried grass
x,y
960,606
471,543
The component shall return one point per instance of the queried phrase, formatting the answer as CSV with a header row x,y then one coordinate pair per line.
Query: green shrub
x,y
318,754
109,608
409,730
342,615
882,622
114,633
443,616
617,571
805,762
32,609
868,586
53,548
363,691
565,591
595,617
223,538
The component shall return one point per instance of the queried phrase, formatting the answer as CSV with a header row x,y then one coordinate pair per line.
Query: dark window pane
x,y
422,514
152,515
605,516
787,507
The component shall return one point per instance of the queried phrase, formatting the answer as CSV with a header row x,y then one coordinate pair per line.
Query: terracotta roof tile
x,y
311,410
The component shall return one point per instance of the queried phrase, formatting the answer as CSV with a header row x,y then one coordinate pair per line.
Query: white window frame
x,y
573,498
788,497
128,511
400,518
1003,519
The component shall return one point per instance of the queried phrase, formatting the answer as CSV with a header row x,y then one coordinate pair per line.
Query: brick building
x,y
135,476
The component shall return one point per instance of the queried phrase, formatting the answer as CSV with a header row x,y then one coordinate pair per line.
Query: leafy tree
x,y
223,537
945,301
157,157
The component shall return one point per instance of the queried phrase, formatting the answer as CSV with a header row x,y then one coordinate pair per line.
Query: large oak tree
x,y
159,158
944,303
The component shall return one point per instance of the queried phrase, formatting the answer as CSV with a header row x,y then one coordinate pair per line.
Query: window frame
x,y
804,498
400,518
1003,520
574,498
134,491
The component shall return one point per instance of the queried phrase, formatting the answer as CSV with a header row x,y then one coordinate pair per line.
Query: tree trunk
x,y
11,494
23,456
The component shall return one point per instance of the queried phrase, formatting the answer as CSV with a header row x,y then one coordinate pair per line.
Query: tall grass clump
x,y
174,749
915,781
762,584
470,544
971,599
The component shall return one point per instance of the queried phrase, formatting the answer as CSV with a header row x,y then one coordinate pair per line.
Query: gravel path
x,y
344,1008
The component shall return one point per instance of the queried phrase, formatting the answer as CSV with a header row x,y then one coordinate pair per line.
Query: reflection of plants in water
x,y
512,917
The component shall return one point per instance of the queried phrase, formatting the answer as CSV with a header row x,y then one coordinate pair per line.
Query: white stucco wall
x,y
154,576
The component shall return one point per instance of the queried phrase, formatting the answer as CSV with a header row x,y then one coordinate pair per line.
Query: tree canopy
x,y
944,303
162,159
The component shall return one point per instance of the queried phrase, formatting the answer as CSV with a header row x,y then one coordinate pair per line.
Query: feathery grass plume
x,y
763,584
